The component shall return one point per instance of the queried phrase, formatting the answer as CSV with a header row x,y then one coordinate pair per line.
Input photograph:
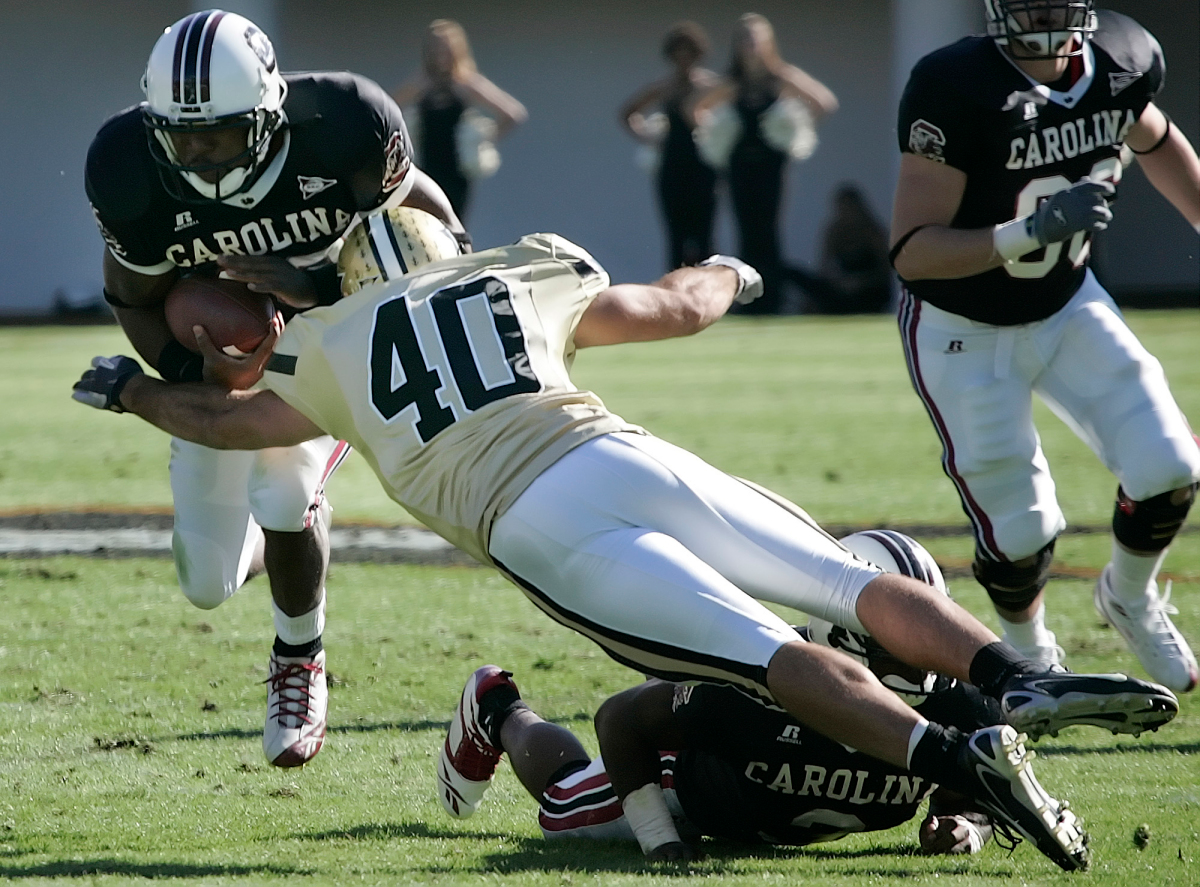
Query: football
x,y
236,317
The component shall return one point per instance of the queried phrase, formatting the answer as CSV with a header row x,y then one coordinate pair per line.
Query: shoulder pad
x,y
1131,47
119,173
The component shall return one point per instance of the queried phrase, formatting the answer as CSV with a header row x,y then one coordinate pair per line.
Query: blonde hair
x,y
455,37
770,52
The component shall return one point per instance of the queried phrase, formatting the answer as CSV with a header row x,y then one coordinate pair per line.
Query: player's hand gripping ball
x,y
237,318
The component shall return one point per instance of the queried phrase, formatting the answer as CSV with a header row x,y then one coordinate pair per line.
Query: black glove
x,y
100,387
1082,207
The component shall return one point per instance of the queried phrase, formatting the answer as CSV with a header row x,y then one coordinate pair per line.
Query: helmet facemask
x,y
241,171
1041,30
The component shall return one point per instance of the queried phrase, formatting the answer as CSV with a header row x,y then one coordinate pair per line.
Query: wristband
x,y
1014,239
647,814
974,835
177,364
750,284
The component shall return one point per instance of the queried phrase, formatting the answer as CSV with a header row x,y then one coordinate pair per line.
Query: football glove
x,y
1082,207
100,387
750,283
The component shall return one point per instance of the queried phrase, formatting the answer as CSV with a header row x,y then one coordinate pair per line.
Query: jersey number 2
x,y
478,332
1107,170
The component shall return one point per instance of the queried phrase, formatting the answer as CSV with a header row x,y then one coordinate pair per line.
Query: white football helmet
x,y
212,70
1015,22
892,552
391,243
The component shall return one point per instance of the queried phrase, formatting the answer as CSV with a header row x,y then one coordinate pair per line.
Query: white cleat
x,y
297,706
1150,634
468,760
999,766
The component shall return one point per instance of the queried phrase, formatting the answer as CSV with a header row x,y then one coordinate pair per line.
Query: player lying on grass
x,y
452,381
737,769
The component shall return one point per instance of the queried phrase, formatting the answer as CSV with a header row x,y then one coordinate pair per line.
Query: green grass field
x,y
130,721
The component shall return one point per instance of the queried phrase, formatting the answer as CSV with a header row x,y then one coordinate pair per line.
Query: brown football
x,y
237,318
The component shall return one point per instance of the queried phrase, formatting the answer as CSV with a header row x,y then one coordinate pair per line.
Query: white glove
x,y
750,284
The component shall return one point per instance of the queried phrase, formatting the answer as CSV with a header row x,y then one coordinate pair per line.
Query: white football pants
x,y
659,558
225,498
977,381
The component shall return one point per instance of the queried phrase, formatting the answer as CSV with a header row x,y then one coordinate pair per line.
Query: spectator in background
x,y
686,184
776,106
454,140
855,276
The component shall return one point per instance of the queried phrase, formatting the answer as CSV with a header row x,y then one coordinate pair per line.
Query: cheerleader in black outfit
x,y
447,85
758,78
686,185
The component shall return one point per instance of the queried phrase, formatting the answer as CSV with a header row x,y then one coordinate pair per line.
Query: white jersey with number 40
x,y
453,381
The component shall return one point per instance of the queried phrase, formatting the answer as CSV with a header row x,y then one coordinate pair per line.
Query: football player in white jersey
x,y
452,381
1013,146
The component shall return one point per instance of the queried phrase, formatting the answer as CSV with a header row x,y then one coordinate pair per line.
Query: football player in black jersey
x,y
1012,148
736,768
231,166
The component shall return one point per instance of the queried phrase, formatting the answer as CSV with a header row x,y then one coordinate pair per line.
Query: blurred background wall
x,y
69,64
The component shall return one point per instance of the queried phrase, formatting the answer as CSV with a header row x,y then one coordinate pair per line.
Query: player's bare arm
x,y
681,303
426,195
1169,161
631,727
137,301
928,195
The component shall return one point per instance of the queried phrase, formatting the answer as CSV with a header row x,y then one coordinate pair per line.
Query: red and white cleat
x,y
297,705
468,760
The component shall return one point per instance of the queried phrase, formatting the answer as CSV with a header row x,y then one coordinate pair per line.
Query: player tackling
x,y
452,380
232,166
1012,150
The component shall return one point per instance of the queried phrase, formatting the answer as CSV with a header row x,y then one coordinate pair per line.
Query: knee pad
x,y
1012,587
1151,524
207,575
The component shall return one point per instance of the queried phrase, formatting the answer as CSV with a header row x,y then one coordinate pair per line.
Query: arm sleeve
x,y
933,119
388,157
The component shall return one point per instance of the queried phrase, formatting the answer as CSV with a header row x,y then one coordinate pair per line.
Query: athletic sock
x,y
292,651
1025,634
995,664
302,629
496,706
935,757
1132,574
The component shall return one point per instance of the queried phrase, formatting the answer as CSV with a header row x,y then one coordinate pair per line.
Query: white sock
x,y
913,738
297,630
1131,574
1024,635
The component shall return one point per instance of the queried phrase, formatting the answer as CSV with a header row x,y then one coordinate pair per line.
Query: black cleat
x,y
998,766
1038,704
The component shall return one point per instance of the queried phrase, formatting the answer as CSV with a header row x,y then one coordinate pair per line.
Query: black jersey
x,y
754,773
968,105
345,150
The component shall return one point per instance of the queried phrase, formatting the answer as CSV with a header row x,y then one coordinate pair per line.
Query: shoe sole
x,y
1048,839
1132,713
1098,601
